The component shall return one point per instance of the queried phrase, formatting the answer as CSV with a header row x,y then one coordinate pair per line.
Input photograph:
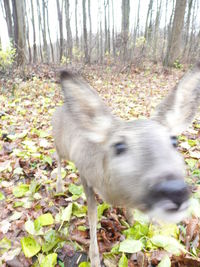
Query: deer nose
x,y
174,190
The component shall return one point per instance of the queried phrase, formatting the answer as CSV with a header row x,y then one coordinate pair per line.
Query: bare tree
x,y
76,23
174,45
86,58
188,21
156,29
108,3
19,30
68,29
113,30
125,28
105,25
34,34
148,24
27,32
44,32
39,26
9,19
51,44
90,23
60,21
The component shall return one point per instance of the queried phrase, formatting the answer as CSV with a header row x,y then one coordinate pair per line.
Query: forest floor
x,y
40,228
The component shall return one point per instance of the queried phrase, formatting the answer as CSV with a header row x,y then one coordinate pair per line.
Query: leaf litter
x,y
40,228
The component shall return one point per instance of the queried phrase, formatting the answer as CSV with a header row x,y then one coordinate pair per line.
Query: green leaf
x,y
15,216
137,231
82,228
29,246
165,262
18,204
168,243
20,190
192,142
5,245
2,197
123,262
191,163
130,246
30,228
61,264
71,166
34,186
43,220
79,210
51,240
67,213
48,160
50,260
75,189
84,264
101,208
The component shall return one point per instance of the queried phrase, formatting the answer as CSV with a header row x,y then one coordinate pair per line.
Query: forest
x,y
134,55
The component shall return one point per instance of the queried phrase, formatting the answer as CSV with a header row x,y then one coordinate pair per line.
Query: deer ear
x,y
85,107
178,109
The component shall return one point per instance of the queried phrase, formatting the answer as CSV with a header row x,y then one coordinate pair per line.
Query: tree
x,y
44,32
9,19
105,25
60,21
125,28
19,30
76,23
51,45
113,30
68,29
27,33
86,58
174,44
39,25
90,23
156,29
34,34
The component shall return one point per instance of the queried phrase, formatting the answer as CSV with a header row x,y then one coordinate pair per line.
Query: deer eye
x,y
174,141
120,148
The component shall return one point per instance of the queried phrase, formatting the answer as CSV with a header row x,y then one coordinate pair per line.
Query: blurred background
x,y
100,31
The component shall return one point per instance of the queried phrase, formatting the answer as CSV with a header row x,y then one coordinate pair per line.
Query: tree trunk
x,y
90,23
34,34
175,38
51,45
108,26
44,32
156,30
148,24
68,29
9,19
39,23
86,59
187,33
113,30
19,30
76,24
27,34
125,28
105,25
60,20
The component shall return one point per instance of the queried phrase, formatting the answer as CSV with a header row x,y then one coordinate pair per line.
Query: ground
x,y
40,228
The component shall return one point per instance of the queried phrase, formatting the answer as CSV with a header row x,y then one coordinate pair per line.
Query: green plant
x,y
177,64
7,57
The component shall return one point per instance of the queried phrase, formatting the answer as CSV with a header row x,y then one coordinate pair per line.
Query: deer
x,y
131,164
